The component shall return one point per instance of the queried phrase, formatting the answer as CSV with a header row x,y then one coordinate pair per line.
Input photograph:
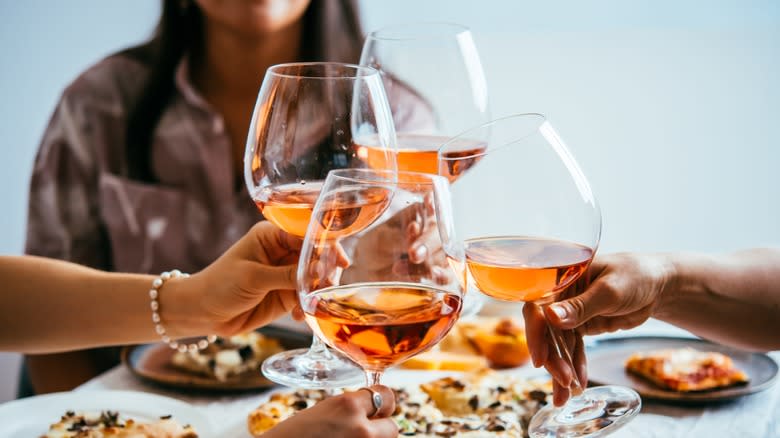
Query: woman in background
x,y
140,168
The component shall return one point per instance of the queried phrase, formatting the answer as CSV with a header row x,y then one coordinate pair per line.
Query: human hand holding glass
x,y
308,119
528,225
377,319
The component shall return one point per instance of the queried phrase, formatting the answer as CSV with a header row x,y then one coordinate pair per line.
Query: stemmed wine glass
x,y
309,119
528,226
435,85
378,314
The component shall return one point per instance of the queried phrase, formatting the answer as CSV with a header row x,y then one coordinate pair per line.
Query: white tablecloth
x,y
754,416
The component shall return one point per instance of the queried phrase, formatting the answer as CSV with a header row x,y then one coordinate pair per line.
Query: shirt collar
x,y
185,87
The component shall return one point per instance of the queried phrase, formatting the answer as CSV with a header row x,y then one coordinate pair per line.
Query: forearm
x,y
732,298
53,306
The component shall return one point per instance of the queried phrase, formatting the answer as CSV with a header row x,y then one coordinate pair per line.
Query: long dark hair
x,y
331,32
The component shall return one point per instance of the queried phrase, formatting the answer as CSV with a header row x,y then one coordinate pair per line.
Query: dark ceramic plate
x,y
607,358
152,362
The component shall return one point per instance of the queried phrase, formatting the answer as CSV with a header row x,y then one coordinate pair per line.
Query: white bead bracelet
x,y
154,293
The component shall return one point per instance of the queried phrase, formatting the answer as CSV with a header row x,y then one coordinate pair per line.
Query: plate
x,y
152,363
607,358
31,417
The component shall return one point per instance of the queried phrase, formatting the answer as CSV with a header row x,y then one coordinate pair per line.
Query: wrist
x,y
669,288
686,283
179,300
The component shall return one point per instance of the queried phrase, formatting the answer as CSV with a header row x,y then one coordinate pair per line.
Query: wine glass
x,y
308,119
435,84
528,226
378,315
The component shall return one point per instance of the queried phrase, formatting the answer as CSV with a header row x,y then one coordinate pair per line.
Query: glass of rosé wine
x,y
308,120
379,314
436,86
527,224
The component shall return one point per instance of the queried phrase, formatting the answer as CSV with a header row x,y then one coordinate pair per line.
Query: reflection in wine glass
x,y
435,86
382,314
528,226
307,121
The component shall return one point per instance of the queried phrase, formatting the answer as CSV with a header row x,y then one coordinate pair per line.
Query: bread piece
x,y
501,340
444,360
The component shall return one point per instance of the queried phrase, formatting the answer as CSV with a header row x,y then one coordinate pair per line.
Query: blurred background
x,y
672,108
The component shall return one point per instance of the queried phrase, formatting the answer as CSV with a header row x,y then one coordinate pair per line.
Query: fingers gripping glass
x,y
308,120
528,226
358,290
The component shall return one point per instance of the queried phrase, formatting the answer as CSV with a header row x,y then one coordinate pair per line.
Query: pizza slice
x,y
228,357
686,369
109,424
282,406
481,404
502,405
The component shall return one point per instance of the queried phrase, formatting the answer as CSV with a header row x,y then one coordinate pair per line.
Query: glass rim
x,y
393,176
449,29
361,71
466,135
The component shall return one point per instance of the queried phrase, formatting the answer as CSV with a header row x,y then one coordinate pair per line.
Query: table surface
x,y
757,415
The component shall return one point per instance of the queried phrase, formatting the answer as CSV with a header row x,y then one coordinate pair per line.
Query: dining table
x,y
752,416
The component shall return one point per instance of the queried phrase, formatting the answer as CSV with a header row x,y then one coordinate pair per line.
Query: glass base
x,y
303,369
596,412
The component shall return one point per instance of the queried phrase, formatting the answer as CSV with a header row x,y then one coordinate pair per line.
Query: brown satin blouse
x,y
83,209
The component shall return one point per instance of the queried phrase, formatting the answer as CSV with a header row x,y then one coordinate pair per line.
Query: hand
x,y
544,351
424,259
250,285
346,415
619,291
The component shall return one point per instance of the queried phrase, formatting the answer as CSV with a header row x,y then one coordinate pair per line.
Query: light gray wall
x,y
672,108
44,45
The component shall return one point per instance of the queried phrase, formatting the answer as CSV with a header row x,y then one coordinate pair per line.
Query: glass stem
x,y
318,350
373,378
562,352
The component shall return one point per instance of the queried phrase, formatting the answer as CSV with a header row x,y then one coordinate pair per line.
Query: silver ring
x,y
376,401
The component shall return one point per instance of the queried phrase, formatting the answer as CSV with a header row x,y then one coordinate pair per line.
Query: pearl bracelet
x,y
154,293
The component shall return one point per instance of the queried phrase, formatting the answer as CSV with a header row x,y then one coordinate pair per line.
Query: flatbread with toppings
x,y
110,424
686,369
228,357
480,404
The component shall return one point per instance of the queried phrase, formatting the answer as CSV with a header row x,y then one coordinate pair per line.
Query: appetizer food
x,y
475,344
228,357
686,369
109,424
480,404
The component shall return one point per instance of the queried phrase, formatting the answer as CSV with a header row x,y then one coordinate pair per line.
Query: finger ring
x,y
376,401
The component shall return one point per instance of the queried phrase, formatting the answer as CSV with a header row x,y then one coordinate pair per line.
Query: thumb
x,y
573,312
277,277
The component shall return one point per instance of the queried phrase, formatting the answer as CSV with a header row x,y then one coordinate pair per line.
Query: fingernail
x,y
560,310
419,252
